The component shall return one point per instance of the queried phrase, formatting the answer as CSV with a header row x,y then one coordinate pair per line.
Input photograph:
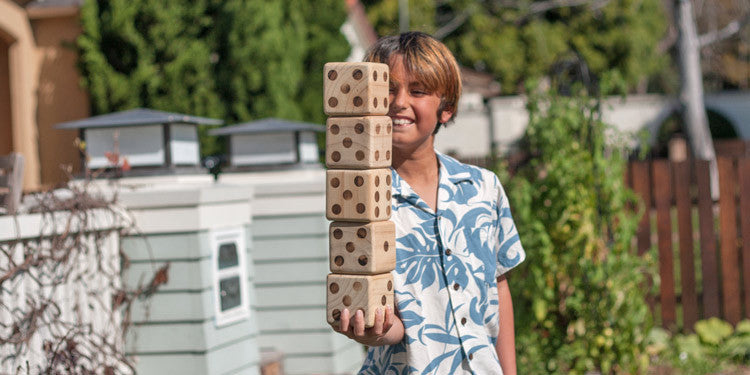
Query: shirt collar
x,y
454,171
451,171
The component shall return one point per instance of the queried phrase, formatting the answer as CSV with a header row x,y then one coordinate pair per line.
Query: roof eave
x,y
39,12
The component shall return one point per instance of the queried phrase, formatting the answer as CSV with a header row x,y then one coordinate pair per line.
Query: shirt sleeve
x,y
509,251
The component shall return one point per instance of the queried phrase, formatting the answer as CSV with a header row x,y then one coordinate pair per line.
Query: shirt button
x,y
471,356
456,286
448,252
463,321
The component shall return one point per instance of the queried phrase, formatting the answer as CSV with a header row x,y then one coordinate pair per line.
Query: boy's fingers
x,y
359,323
377,328
388,322
344,321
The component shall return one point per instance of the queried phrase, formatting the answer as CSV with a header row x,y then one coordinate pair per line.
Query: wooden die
x,y
358,292
362,248
355,89
358,195
358,142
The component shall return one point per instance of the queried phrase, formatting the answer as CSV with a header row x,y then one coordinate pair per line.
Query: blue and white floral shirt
x,y
447,264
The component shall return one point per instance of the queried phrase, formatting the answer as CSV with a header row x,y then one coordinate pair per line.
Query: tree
x,y
235,60
154,54
263,49
521,40
691,82
325,43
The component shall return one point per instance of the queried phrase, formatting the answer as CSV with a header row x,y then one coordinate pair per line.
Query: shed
x,y
153,142
271,143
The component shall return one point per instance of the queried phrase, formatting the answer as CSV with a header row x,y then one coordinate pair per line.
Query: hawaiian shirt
x,y
447,264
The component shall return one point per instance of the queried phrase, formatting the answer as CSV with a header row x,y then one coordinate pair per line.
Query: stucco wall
x,y
23,78
60,97
6,136
629,115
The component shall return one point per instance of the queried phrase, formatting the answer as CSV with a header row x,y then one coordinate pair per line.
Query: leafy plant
x,y
580,297
715,347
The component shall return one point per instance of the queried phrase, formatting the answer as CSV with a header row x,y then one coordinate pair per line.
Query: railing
x,y
59,272
703,246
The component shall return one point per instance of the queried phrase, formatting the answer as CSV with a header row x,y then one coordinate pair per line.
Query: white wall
x,y
469,135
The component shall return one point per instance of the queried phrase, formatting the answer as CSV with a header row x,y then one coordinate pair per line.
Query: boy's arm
x,y
387,330
506,339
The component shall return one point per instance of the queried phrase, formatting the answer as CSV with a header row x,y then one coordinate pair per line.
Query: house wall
x,y
6,133
176,331
60,96
470,135
22,78
290,253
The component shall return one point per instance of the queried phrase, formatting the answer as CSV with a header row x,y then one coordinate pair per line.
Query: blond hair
x,y
428,60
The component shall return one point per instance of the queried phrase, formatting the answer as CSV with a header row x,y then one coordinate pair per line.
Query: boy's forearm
x,y
506,340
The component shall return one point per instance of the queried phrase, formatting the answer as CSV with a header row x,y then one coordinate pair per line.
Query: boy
x,y
454,233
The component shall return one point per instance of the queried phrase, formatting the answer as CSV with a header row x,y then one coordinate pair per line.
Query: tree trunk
x,y
691,90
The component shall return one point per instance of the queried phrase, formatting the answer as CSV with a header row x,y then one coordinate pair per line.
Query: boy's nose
x,y
398,101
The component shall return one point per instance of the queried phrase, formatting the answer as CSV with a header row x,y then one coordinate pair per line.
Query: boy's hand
x,y
387,329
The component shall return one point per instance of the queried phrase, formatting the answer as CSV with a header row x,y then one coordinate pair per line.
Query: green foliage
x,y
514,41
580,296
714,347
236,60
325,43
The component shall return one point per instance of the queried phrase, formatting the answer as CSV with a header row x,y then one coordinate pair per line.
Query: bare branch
x,y
544,6
727,31
669,40
451,26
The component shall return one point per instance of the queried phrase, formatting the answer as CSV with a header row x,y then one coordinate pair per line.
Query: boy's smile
x,y
413,109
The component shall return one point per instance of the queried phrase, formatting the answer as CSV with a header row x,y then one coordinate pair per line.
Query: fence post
x,y
688,296
730,273
663,201
744,180
709,264
641,181
11,181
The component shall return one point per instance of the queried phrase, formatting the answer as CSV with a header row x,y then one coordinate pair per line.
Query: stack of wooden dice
x,y
358,190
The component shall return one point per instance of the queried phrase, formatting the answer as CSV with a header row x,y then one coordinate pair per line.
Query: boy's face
x,y
413,109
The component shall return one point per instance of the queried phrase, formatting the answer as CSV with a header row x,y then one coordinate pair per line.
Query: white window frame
x,y
242,311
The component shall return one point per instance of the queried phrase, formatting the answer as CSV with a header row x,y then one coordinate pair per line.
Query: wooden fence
x,y
704,264
58,276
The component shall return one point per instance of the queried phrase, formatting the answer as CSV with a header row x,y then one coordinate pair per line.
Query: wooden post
x,y
730,271
11,181
709,265
744,180
663,201
689,297
641,180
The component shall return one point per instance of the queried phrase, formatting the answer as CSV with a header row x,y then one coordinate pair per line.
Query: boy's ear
x,y
445,115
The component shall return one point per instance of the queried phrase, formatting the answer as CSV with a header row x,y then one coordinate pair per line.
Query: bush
x,y
580,297
715,346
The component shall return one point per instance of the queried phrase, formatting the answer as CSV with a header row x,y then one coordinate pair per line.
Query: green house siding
x,y
291,263
175,331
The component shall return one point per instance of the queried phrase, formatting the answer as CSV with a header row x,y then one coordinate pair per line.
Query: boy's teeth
x,y
401,122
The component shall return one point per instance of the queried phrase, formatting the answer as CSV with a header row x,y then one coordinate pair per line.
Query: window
x,y
230,275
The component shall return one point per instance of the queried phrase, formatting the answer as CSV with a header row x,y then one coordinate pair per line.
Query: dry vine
x,y
37,317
